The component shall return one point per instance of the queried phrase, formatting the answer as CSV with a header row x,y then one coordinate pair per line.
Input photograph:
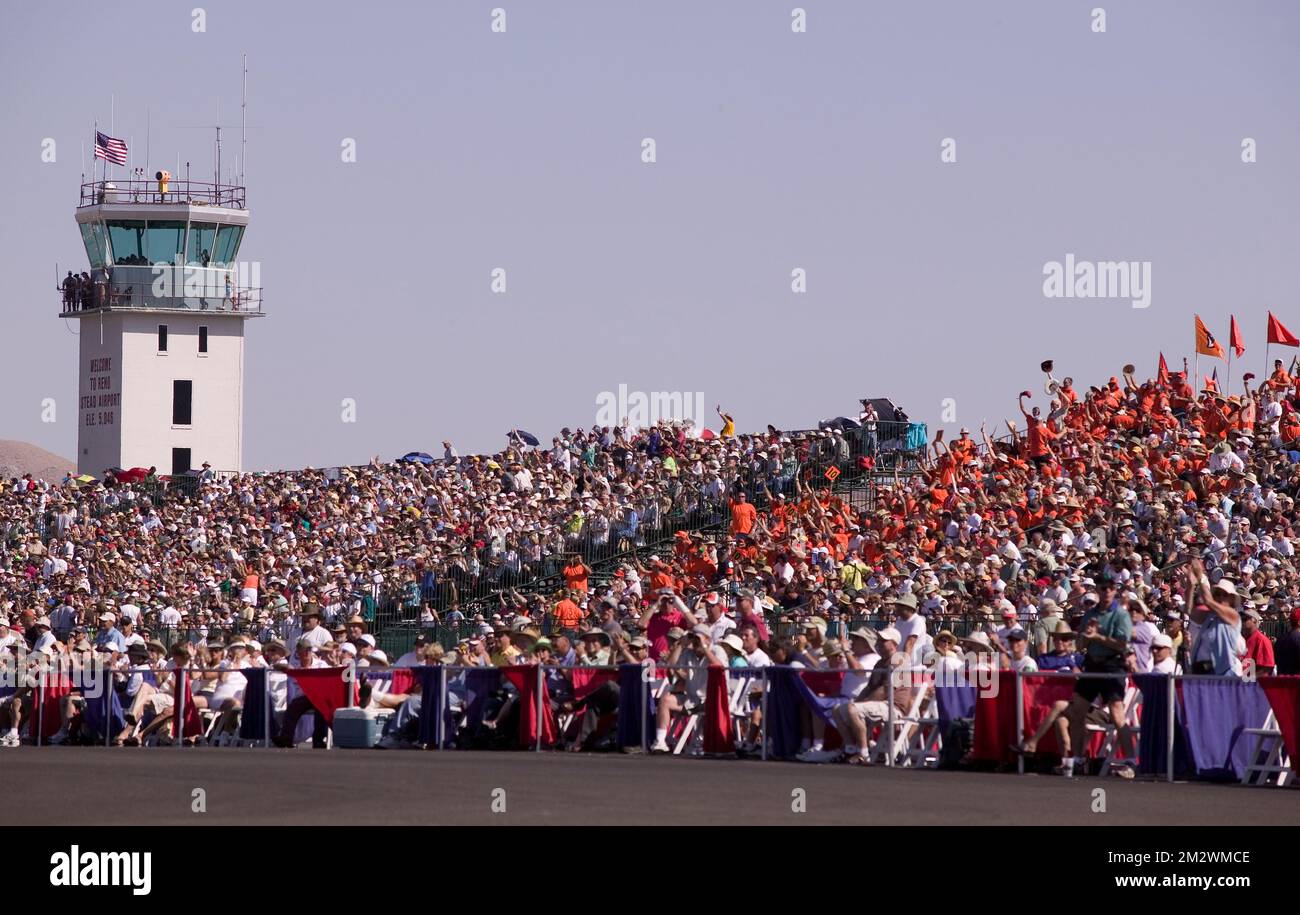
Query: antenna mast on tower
x,y
243,114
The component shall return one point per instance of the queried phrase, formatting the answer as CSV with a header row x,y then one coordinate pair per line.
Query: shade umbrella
x,y
526,437
417,457
841,422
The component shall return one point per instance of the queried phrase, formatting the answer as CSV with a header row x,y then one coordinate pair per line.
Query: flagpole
x,y
1228,392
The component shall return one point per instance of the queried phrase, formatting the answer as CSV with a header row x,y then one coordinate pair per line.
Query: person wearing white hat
x,y
1162,656
109,635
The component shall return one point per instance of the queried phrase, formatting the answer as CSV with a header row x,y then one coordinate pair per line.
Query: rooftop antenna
x,y
218,162
243,116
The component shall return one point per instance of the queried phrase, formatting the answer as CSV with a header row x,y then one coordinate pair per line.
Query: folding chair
x,y
684,727
905,726
1110,744
737,695
741,686
1268,744
925,737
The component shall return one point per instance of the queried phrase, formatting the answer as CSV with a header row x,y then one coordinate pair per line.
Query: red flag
x,y
1284,696
586,680
324,689
403,681
524,678
717,713
1162,373
1206,344
1234,338
193,724
56,686
1279,334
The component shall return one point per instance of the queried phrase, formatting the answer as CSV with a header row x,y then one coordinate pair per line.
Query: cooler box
x,y
356,728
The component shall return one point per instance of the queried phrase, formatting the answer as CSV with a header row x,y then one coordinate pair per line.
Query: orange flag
x,y
1234,338
1279,334
1206,345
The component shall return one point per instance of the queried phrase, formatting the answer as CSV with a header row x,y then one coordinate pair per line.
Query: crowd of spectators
x,y
1133,526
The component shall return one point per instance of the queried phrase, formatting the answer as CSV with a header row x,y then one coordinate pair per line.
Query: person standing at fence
x,y
743,515
1107,629
576,573
1214,609
867,419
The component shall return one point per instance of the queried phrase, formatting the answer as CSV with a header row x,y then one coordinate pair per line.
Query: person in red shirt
x,y
667,611
1259,648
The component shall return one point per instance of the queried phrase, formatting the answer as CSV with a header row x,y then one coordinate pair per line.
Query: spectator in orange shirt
x,y
1279,380
575,574
566,612
743,515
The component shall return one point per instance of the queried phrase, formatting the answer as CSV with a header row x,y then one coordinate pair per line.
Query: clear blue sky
x,y
775,150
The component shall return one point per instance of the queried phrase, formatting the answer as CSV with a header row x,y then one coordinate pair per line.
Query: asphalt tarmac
x,y
157,786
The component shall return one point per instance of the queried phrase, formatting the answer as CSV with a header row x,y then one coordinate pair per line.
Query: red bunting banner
x,y
324,689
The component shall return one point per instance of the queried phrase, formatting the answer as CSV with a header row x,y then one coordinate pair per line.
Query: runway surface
x,y
95,786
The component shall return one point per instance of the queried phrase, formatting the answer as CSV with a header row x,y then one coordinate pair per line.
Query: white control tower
x,y
161,315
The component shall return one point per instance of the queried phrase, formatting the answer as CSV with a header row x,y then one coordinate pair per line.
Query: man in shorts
x,y
1106,631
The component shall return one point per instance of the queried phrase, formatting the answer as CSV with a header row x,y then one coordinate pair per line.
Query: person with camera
x,y
1214,609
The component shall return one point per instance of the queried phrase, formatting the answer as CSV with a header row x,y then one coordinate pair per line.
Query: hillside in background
x,y
18,458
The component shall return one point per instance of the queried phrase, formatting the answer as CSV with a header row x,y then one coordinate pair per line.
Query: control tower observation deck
x,y
162,306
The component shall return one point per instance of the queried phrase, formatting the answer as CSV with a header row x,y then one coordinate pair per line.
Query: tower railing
x,y
182,191
124,296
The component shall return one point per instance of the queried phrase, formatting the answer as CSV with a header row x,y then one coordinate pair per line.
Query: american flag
x,y
110,148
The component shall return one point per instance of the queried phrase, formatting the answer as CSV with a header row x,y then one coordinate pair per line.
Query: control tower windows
x,y
227,244
203,237
92,235
163,241
127,239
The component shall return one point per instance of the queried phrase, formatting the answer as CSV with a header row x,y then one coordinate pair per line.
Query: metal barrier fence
x,y
987,679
